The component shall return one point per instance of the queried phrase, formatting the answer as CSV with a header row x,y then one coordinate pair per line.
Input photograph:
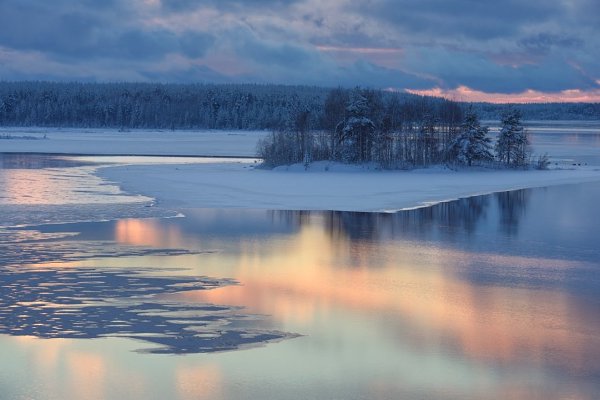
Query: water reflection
x,y
462,215
468,299
44,297
457,218
43,180
467,284
415,295
38,161
512,206
91,303
22,247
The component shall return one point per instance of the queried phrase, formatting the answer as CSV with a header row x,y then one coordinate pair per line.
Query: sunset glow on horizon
x,y
465,94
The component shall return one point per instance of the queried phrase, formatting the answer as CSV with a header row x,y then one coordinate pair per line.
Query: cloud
x,y
91,31
544,42
480,20
507,46
458,68
271,52
195,44
195,73
231,5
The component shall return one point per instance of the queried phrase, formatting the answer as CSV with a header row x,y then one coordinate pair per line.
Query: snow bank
x,y
324,186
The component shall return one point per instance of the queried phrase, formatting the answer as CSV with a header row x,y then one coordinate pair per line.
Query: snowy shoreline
x,y
72,141
335,187
188,183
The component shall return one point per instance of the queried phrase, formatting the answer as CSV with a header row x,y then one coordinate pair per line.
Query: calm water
x,y
488,297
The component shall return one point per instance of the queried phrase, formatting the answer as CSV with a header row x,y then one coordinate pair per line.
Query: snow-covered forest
x,y
207,106
174,106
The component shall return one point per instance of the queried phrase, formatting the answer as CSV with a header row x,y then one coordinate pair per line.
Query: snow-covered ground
x,y
135,142
324,186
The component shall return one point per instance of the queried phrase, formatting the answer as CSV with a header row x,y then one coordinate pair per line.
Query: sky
x,y
467,50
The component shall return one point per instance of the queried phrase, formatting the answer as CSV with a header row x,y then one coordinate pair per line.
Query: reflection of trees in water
x,y
454,217
511,207
292,219
354,225
460,215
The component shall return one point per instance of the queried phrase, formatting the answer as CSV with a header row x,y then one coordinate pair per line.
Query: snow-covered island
x,y
330,185
239,183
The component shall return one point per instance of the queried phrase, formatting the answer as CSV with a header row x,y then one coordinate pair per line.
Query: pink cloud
x,y
464,93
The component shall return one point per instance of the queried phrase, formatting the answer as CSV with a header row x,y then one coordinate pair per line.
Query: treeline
x,y
161,106
364,126
226,106
543,111
172,106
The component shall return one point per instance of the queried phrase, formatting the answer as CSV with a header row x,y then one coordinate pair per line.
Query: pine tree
x,y
472,142
355,133
512,147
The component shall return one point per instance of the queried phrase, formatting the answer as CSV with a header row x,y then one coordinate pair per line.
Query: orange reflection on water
x,y
48,356
25,186
88,375
86,371
304,280
147,233
58,186
198,382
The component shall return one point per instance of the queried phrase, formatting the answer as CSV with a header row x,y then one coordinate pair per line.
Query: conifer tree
x,y
472,142
355,132
512,147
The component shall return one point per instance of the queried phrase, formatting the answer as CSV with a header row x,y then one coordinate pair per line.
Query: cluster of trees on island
x,y
362,126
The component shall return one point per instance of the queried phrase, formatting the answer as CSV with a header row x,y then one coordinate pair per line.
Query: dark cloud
x,y
502,46
200,73
270,52
457,68
367,74
586,12
543,43
90,31
232,5
480,20
195,44
140,45
36,27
